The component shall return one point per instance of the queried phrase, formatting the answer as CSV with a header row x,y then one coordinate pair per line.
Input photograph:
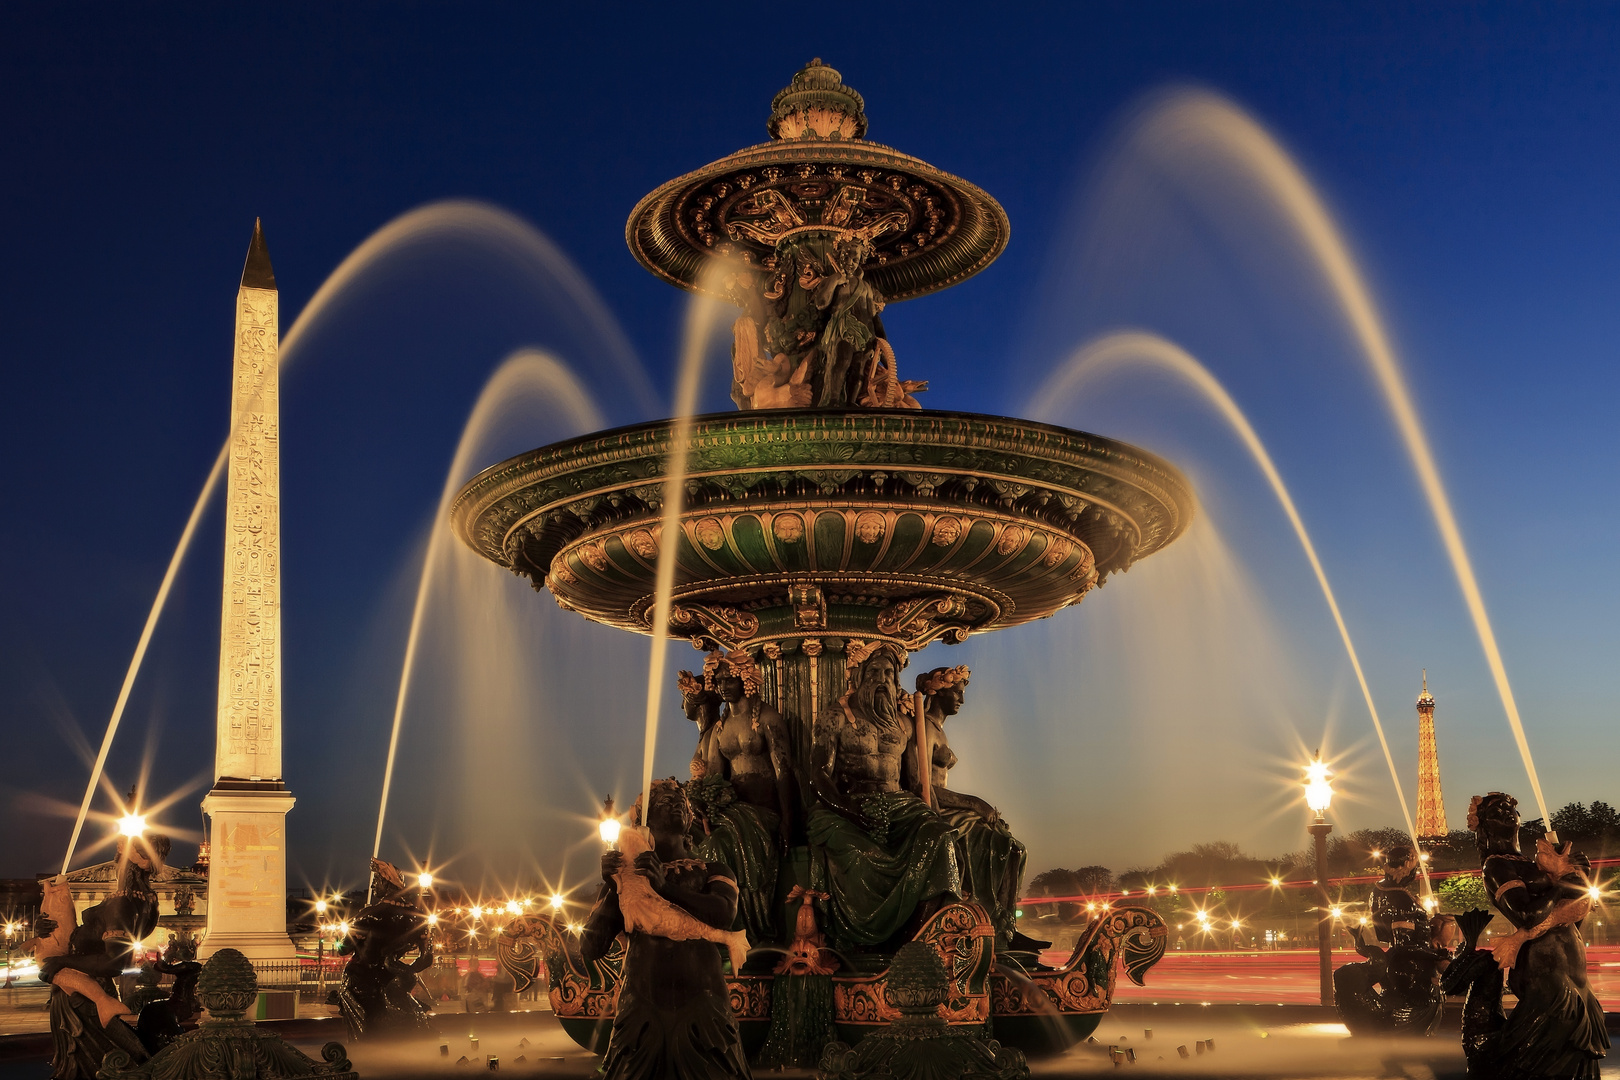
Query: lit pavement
x,y
1290,977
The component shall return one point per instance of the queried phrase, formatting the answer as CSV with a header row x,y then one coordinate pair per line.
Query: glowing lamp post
x,y
608,827
1319,796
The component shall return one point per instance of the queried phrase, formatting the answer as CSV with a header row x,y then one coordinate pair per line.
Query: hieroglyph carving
x,y
249,743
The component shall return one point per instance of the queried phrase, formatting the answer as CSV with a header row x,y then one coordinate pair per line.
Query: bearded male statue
x,y
743,784
886,859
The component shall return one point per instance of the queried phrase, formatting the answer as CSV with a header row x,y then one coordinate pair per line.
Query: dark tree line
x,y
1593,828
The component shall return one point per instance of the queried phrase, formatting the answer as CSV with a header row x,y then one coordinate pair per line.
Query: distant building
x,y
1431,807
182,897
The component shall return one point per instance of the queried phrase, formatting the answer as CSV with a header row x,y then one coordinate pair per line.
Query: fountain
x,y
811,543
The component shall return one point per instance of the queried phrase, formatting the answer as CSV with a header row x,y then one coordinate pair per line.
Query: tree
x,y
1353,852
1086,881
1462,892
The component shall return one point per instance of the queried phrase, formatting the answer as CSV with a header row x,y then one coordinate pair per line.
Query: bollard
x,y
1182,1050
494,1063
444,1049
1147,1033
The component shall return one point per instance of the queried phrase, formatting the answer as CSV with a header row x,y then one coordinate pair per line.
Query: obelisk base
x,y
247,877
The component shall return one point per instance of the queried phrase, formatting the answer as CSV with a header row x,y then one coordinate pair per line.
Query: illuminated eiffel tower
x,y
1431,808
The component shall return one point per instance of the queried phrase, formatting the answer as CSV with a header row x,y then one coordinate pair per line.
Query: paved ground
x,y
1261,1042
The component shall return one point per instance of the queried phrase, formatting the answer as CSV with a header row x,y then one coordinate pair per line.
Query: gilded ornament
x,y
710,533
788,528
947,530
594,555
869,527
641,542
1012,538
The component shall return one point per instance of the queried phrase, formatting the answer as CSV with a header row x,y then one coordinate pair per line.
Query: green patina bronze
x,y
827,531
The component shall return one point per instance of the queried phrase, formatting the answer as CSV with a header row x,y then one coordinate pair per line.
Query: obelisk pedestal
x,y
247,808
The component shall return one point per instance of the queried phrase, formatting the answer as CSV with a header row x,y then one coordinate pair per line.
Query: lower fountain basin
x,y
901,524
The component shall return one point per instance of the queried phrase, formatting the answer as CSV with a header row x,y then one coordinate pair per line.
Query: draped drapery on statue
x,y
743,837
742,784
885,858
992,858
877,876
992,865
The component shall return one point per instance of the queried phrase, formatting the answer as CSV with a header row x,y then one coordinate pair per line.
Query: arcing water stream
x,y
489,229
1192,122
1122,349
701,318
525,375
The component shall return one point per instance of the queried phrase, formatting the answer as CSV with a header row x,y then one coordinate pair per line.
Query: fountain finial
x,y
817,105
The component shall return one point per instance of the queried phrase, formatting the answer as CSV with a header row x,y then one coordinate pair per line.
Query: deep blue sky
x,y
1469,151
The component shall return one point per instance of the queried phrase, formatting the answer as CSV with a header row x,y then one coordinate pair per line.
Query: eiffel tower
x,y
1431,808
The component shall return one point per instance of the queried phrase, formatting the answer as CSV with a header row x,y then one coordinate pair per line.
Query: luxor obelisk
x,y
247,808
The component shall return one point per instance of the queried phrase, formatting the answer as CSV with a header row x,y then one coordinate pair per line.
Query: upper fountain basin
x,y
900,524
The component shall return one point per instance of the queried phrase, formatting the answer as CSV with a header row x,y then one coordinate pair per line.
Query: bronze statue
x,y
743,783
165,1018
992,859
887,858
81,961
1396,989
377,993
811,333
1556,1029
673,1016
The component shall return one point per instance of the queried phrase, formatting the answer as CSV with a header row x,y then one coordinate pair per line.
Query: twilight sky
x,y
1469,153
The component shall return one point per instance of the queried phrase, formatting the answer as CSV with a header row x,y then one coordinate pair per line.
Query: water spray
x,y
1202,118
701,318
1117,349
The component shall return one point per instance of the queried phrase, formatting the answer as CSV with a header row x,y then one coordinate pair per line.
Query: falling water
x,y
1191,121
487,228
524,376
1121,349
140,646
701,319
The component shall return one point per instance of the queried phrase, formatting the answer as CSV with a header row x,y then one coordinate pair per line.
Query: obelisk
x,y
247,808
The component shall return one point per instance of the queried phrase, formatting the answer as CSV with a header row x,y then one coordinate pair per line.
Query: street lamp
x,y
608,827
1319,796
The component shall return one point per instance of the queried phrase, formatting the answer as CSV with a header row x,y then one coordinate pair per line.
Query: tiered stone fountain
x,y
831,515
